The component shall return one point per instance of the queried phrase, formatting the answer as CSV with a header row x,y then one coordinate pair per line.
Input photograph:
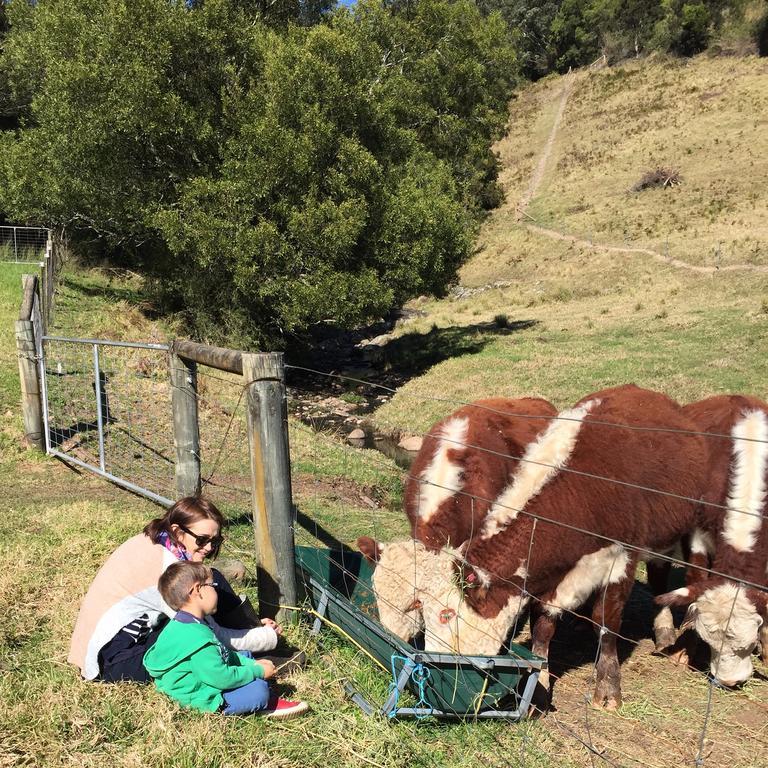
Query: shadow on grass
x,y
396,361
414,353
107,289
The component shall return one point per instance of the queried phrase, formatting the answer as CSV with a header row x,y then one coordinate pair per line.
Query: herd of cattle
x,y
514,505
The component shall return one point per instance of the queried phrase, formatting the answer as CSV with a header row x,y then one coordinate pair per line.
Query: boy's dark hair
x,y
179,579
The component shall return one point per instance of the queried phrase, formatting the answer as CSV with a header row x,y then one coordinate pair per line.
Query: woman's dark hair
x,y
184,513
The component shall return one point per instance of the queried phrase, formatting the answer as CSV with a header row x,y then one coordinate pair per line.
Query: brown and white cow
x,y
593,469
731,537
465,461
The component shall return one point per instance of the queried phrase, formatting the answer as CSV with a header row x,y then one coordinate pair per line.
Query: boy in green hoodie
x,y
190,665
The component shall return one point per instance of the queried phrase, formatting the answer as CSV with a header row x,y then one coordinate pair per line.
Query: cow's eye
x,y
414,606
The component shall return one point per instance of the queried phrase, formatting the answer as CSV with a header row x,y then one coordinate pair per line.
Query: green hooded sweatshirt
x,y
191,666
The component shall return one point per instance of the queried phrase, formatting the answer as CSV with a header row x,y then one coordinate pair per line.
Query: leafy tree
x,y
574,38
695,29
278,13
119,101
323,207
761,34
530,24
447,74
625,27
265,177
7,113
685,28
557,35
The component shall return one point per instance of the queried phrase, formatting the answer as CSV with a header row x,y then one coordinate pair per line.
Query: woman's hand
x,y
269,623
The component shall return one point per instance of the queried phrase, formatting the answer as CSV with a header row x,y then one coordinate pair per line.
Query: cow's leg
x,y
663,625
607,613
542,630
762,637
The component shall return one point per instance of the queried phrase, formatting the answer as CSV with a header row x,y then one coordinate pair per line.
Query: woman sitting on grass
x,y
123,611
189,663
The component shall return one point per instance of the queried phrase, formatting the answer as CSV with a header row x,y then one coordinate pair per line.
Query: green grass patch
x,y
10,303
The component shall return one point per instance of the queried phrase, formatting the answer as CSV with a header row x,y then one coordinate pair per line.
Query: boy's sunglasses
x,y
202,584
201,541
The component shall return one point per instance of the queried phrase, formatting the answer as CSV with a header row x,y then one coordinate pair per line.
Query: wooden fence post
x,y
186,431
264,377
26,348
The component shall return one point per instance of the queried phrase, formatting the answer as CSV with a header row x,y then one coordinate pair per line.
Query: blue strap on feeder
x,y
419,674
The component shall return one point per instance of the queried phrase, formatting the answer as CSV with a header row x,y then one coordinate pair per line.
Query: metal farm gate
x,y
128,412
106,408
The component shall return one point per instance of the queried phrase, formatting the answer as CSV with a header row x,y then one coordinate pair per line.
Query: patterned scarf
x,y
175,549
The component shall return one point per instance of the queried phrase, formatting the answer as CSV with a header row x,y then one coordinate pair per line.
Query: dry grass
x,y
706,118
602,317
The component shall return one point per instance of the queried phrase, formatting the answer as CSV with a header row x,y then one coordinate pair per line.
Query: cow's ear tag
x,y
471,577
446,615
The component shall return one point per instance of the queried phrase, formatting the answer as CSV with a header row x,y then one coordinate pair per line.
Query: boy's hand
x,y
270,623
267,666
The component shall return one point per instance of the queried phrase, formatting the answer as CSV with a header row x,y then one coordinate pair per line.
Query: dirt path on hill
x,y
672,262
541,167
535,183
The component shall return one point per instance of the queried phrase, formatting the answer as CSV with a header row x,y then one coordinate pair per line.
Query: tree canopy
x,y
558,34
266,174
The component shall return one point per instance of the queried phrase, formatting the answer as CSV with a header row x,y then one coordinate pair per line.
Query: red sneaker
x,y
283,709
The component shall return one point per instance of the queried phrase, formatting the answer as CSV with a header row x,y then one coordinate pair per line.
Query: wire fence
x,y
224,459
43,250
23,244
669,716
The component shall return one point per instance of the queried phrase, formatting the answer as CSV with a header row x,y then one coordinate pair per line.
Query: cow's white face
x,y
452,626
418,590
395,584
727,620
450,623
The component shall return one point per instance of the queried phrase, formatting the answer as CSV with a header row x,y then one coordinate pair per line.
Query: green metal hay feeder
x,y
446,685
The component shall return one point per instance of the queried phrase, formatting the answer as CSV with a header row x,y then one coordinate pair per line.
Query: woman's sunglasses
x,y
201,541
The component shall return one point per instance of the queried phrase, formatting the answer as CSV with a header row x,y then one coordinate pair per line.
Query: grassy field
x,y
559,320
562,320
59,525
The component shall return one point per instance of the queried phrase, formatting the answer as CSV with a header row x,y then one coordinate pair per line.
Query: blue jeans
x,y
251,697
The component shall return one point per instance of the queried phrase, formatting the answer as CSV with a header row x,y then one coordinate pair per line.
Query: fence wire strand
x,y
588,743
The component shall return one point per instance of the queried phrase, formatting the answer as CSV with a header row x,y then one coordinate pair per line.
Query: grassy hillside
x,y
563,318
600,317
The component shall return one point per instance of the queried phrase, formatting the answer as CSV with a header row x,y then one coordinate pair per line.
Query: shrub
x,y
659,177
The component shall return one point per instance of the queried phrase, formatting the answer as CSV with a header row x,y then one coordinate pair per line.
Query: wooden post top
x,y
267,366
